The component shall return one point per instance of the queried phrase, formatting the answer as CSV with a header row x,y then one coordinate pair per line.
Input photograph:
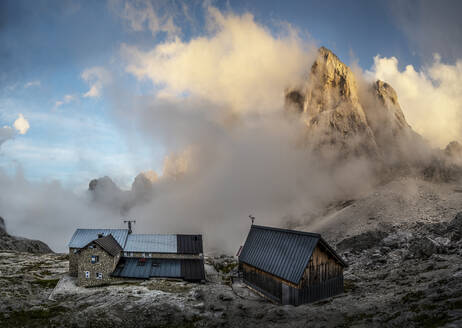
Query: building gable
x,y
280,252
83,237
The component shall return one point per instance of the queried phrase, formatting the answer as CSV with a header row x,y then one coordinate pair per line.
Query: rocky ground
x,y
9,242
399,276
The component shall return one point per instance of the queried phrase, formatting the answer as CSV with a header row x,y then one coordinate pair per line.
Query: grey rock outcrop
x,y
143,186
8,242
2,226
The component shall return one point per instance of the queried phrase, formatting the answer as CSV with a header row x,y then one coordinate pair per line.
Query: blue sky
x,y
74,136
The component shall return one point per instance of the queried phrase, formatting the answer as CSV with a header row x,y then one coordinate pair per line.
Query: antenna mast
x,y
129,225
252,218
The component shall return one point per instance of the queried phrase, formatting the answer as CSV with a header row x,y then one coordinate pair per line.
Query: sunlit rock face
x,y
343,122
329,104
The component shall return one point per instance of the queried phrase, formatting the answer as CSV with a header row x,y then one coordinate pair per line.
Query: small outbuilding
x,y
290,267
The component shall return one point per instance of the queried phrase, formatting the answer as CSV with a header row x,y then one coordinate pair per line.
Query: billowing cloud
x,y
96,77
240,64
431,98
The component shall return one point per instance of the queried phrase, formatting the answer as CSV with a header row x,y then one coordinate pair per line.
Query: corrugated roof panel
x,y
192,269
129,268
170,268
151,243
159,268
82,237
283,253
189,244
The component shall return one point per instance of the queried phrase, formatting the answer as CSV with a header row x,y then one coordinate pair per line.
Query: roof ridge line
x,y
306,233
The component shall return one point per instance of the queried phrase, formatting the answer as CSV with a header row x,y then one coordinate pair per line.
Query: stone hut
x,y
97,260
100,256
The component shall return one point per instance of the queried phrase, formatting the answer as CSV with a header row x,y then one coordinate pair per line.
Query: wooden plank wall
x,y
322,267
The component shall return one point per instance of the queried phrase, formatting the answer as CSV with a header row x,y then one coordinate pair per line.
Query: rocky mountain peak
x,y
346,121
329,104
331,73
389,99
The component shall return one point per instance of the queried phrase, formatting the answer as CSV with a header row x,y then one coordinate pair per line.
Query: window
x,y
125,254
99,275
144,255
94,259
131,254
149,254
87,274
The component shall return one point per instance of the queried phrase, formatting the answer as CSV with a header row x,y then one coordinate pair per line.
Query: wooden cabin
x,y
290,267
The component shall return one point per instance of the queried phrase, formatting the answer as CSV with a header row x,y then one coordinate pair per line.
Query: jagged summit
x,y
342,121
329,102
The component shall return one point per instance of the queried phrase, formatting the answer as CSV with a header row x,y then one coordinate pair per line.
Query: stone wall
x,y
73,261
105,265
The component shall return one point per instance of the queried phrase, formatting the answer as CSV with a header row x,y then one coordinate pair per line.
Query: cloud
x,y
240,65
21,124
35,83
6,133
431,98
33,209
143,14
96,77
66,100
218,112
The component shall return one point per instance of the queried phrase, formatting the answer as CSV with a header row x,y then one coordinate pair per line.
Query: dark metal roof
x,y
189,244
192,269
281,252
109,244
130,268
166,268
82,237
